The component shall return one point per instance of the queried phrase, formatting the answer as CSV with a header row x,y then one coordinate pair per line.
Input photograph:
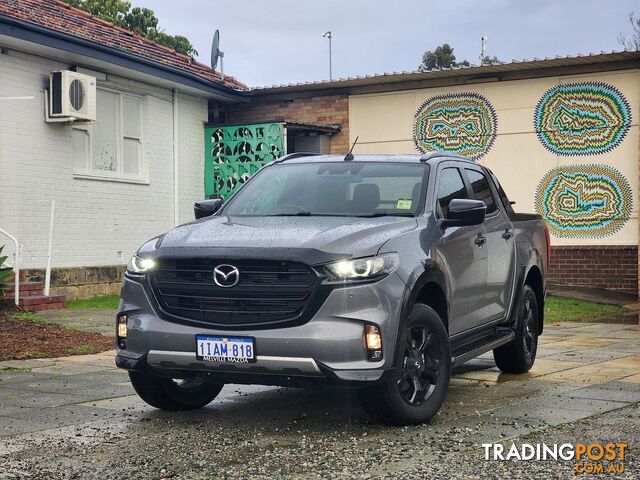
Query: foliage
x,y
5,272
632,43
441,57
142,21
487,60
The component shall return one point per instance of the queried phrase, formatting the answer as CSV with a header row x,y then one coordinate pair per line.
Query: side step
x,y
479,344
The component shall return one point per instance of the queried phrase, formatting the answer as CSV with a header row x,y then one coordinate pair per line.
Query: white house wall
x,y
97,222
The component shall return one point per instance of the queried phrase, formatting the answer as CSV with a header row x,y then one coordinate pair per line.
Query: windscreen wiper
x,y
303,213
387,214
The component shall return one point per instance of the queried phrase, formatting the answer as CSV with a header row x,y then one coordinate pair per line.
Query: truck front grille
x,y
268,293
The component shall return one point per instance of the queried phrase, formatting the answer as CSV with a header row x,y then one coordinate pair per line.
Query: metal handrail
x,y
16,268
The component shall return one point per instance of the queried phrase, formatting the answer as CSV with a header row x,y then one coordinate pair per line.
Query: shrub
x,y
4,274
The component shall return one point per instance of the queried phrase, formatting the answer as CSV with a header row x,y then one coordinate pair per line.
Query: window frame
x,y
441,167
91,173
489,183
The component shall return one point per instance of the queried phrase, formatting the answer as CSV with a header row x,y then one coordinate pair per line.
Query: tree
x,y
632,43
441,57
142,21
487,60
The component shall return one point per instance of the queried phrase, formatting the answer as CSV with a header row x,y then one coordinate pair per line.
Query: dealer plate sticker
x,y
225,349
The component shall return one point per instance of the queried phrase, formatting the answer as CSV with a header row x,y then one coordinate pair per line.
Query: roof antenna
x,y
349,156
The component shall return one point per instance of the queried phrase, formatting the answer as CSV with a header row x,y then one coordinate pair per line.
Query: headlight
x,y
139,264
363,268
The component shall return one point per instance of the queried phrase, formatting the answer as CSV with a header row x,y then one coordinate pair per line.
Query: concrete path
x,y
94,320
75,404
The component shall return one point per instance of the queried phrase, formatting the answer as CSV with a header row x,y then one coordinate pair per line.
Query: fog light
x,y
373,342
122,331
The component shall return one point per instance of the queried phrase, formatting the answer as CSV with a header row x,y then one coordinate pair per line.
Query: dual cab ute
x,y
379,273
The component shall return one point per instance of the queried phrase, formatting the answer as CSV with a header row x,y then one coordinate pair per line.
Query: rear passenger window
x,y
450,186
481,189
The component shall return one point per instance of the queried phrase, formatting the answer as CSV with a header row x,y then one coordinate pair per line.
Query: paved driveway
x,y
78,417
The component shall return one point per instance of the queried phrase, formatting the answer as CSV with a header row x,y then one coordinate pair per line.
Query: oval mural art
x,y
582,118
462,123
584,201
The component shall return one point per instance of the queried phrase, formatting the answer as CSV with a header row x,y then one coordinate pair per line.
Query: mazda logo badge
x,y
226,276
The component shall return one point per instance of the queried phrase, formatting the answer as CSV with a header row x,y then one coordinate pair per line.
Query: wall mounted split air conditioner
x,y
72,97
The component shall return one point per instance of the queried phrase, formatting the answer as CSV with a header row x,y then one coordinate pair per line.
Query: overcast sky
x,y
279,41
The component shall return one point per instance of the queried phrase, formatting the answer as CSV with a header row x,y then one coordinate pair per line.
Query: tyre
x,y
518,356
417,391
173,394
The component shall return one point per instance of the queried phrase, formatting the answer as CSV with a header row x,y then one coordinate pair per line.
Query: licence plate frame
x,y
219,349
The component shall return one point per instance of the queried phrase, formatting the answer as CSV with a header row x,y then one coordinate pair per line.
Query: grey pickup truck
x,y
379,273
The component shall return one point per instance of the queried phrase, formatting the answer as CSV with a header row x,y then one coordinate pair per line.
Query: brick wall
x,y
326,110
613,267
80,282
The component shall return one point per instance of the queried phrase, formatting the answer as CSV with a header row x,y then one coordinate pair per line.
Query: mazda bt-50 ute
x,y
379,273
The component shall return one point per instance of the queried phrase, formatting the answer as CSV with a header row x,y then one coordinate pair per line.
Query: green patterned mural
x,y
234,153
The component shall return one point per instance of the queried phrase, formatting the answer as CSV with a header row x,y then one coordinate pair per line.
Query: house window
x,y
112,147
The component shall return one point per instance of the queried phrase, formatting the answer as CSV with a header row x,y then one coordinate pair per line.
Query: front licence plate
x,y
225,349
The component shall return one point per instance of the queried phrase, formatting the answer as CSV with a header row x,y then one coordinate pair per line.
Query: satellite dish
x,y
215,49
217,54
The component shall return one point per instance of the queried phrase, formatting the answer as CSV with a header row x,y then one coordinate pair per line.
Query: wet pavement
x,y
78,417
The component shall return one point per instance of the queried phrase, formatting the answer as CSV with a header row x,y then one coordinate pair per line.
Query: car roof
x,y
430,158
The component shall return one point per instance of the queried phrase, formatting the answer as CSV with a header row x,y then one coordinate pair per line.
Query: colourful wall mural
x,y
234,153
584,201
582,118
462,123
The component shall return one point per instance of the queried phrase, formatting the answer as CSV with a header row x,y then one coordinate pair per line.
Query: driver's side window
x,y
450,186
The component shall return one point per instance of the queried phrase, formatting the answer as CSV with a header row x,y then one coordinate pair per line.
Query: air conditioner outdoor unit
x,y
72,97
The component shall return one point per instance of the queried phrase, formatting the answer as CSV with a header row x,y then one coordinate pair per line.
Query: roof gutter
x,y
30,32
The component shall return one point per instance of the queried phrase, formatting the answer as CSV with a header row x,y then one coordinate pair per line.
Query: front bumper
x,y
329,347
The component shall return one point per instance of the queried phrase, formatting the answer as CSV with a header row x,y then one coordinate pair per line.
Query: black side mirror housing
x,y
464,212
206,208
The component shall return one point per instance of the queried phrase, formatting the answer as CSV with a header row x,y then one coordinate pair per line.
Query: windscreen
x,y
336,189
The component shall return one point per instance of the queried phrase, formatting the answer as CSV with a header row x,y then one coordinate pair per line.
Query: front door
x,y
463,255
500,246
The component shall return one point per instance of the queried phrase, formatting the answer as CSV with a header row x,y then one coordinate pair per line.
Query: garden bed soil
x,y
22,338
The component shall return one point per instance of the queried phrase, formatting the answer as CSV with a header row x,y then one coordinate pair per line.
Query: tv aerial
x,y
216,53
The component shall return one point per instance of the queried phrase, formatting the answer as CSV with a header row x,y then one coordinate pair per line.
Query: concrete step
x,y
37,303
27,289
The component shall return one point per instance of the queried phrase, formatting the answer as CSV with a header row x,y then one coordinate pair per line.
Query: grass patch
x,y
37,354
83,349
559,309
31,317
107,301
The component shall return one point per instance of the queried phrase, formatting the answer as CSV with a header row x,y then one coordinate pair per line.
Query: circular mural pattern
x,y
584,201
582,118
462,123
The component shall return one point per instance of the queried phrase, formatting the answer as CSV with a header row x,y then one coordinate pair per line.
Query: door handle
x,y
480,240
507,234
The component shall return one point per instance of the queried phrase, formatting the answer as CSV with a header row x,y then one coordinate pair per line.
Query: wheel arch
x,y
534,280
427,285
430,288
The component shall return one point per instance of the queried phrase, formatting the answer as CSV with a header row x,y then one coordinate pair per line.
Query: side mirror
x,y
206,208
464,212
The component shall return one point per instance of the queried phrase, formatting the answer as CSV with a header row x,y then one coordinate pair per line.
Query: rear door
x,y
500,246
462,254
